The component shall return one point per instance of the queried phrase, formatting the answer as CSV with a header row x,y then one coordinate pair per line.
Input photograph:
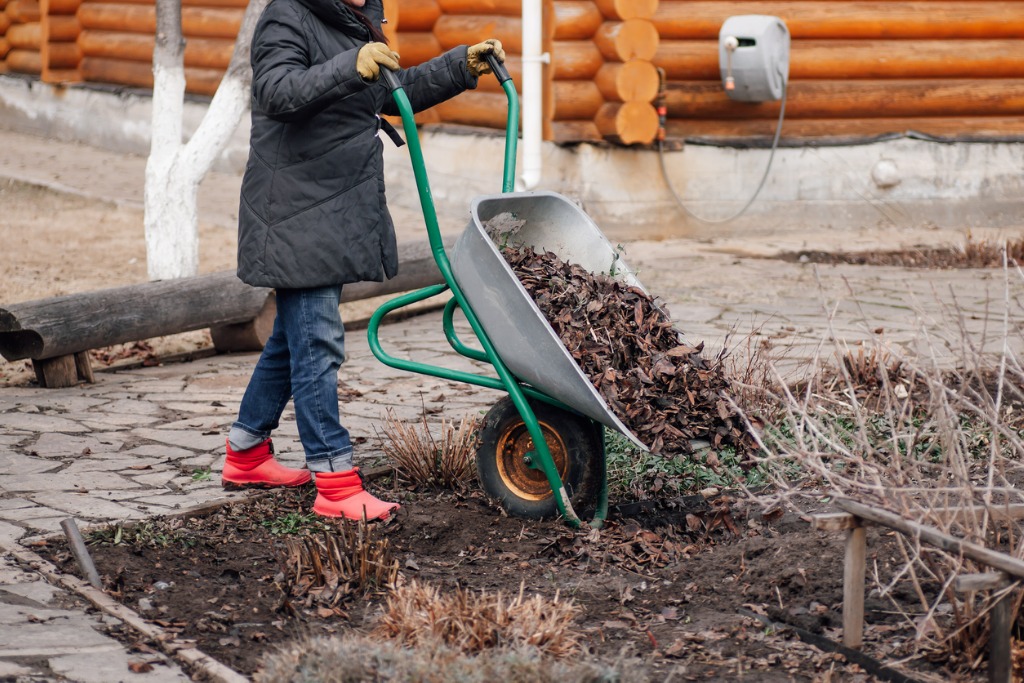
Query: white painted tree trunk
x,y
175,168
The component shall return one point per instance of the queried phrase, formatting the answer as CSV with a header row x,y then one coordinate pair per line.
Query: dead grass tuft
x,y
446,462
324,571
419,615
356,659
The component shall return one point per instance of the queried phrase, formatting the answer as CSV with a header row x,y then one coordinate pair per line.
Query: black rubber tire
x,y
577,447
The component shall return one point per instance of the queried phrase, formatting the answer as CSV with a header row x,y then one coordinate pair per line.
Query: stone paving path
x,y
48,635
149,441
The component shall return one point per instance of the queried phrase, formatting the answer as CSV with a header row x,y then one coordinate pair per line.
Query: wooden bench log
x,y
57,333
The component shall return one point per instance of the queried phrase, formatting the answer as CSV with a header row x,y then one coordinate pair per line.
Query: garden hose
x,y
662,114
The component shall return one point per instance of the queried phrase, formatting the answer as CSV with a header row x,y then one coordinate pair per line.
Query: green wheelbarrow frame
x,y
540,458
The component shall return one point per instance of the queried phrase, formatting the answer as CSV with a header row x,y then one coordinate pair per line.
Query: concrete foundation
x,y
902,182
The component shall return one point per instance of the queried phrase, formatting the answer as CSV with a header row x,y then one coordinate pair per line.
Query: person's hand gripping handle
x,y
478,57
372,56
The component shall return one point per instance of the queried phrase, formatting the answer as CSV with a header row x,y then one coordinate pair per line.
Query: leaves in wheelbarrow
x,y
661,387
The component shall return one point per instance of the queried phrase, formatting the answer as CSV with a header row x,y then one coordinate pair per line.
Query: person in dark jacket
x,y
313,217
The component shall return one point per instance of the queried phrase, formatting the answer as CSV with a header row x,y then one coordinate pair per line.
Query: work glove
x,y
476,60
371,57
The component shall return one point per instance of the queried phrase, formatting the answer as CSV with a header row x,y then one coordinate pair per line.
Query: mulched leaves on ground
x,y
974,253
661,388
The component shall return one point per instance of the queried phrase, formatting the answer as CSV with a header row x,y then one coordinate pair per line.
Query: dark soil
x,y
676,583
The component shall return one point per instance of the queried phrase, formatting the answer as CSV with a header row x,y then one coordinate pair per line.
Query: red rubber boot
x,y
256,468
341,494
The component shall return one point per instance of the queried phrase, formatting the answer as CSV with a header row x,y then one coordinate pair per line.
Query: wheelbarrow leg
x,y
546,464
601,513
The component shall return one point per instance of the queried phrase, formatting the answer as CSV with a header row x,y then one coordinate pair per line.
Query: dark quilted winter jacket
x,y
312,208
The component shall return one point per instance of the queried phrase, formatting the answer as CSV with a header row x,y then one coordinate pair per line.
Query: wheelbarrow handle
x,y
391,79
500,72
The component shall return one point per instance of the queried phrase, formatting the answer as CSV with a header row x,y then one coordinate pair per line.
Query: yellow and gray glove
x,y
476,60
371,57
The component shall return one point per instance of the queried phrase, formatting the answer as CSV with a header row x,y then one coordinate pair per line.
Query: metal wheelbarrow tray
x,y
518,329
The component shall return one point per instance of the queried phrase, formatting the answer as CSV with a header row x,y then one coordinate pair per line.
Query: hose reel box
x,y
753,57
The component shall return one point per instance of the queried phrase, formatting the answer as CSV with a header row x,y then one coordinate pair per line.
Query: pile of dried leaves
x,y
662,389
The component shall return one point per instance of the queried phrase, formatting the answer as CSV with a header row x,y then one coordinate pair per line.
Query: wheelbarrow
x,y
541,447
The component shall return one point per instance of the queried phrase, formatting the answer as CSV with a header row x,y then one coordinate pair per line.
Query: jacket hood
x,y
340,16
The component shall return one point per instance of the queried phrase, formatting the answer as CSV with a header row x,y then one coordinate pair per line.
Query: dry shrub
x,y
990,253
419,615
750,365
446,462
358,659
948,453
870,368
326,570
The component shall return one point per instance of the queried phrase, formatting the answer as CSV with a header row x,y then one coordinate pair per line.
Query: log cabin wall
x,y
116,41
857,69
21,36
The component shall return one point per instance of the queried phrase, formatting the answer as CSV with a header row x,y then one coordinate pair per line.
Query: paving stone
x,y
30,513
58,481
9,534
61,401
9,671
55,444
105,421
202,408
13,503
112,666
118,463
26,464
159,451
29,587
179,501
157,479
128,406
48,621
121,494
87,506
198,462
43,527
40,423
11,572
201,424
185,439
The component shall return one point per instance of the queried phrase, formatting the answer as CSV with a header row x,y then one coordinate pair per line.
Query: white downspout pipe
x,y
533,92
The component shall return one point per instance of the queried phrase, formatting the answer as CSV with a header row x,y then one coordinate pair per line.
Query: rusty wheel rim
x,y
521,479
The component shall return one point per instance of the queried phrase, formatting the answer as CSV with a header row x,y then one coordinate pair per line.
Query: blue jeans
x,y
300,360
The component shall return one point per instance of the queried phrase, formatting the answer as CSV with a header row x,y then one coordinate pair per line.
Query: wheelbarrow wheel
x,y
503,463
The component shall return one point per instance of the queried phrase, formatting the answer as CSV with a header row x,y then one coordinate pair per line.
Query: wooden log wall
x,y
5,46
427,28
22,37
857,69
116,41
940,67
604,80
59,51
601,82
